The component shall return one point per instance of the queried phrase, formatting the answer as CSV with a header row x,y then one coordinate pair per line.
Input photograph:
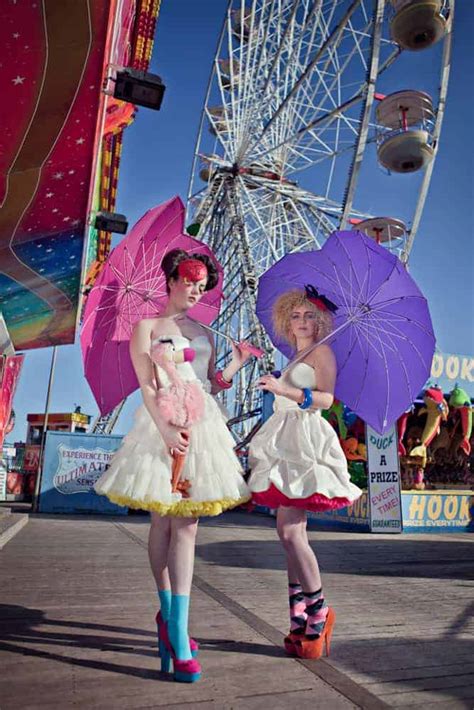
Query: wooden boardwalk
x,y
77,608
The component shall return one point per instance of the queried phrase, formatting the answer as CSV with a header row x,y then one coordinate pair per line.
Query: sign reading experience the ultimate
x,y
383,481
72,464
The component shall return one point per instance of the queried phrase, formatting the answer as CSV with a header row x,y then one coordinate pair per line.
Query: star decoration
x,y
50,244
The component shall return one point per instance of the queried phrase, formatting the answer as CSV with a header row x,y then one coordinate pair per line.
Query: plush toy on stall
x,y
349,416
181,402
437,409
442,442
460,401
413,436
356,455
354,451
401,428
358,473
357,429
335,415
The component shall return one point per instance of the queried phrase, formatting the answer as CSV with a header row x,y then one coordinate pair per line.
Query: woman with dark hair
x,y
140,473
298,464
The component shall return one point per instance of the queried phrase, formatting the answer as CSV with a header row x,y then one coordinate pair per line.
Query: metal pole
x,y
43,437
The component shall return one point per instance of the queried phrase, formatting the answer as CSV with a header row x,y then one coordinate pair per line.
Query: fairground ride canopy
x,y
60,146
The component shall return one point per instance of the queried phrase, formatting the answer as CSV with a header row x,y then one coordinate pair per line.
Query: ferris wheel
x,y
306,119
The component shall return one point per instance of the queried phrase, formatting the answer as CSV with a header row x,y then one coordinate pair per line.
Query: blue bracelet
x,y
308,399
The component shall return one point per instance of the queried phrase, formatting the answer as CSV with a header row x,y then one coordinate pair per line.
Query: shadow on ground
x,y
411,664
397,557
27,631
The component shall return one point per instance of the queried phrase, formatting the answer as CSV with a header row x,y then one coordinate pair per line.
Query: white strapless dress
x,y
296,458
140,471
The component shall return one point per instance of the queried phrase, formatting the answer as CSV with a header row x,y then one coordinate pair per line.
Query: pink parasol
x,y
130,288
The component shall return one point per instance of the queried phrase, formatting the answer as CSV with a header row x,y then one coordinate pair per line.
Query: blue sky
x,y
156,163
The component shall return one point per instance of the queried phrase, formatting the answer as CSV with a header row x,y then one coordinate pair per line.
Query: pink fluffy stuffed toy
x,y
181,403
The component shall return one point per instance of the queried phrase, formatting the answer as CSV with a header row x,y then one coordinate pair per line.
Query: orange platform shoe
x,y
313,648
290,641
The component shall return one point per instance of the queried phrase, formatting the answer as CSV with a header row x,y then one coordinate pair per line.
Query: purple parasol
x,y
383,337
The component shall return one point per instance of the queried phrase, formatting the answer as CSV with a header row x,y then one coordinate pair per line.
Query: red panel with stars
x,y
51,76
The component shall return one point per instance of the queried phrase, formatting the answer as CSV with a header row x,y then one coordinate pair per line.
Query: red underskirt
x,y
273,498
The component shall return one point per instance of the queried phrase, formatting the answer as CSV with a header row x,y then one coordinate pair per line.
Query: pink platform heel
x,y
188,671
162,631
183,671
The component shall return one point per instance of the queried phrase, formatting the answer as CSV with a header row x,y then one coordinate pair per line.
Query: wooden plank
x,y
432,697
78,604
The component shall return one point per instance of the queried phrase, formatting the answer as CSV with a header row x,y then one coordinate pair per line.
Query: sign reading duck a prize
x,y
383,480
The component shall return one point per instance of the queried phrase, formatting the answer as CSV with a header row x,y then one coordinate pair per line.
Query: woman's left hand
x,y
268,383
240,355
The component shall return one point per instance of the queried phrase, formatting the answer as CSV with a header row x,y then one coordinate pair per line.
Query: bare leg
x,y
291,524
158,549
292,571
181,554
181,565
301,560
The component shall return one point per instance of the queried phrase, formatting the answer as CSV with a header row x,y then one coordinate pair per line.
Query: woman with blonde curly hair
x,y
297,461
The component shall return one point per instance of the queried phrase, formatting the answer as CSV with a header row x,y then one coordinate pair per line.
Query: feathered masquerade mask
x,y
320,301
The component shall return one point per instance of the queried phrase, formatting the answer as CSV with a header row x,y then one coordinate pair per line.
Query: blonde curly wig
x,y
284,307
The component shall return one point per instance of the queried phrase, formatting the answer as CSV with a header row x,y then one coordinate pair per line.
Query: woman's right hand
x,y
175,438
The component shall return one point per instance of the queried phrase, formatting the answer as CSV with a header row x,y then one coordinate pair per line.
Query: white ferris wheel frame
x,y
294,132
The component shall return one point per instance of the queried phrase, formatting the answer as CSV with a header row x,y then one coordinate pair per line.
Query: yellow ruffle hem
x,y
182,509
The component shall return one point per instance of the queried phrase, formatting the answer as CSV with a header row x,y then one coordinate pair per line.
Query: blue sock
x,y
178,626
165,603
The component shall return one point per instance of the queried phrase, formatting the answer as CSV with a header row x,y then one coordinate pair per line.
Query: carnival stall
x,y
23,465
61,148
432,452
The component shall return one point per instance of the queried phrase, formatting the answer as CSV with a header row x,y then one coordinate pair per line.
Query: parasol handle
x,y
176,469
253,349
